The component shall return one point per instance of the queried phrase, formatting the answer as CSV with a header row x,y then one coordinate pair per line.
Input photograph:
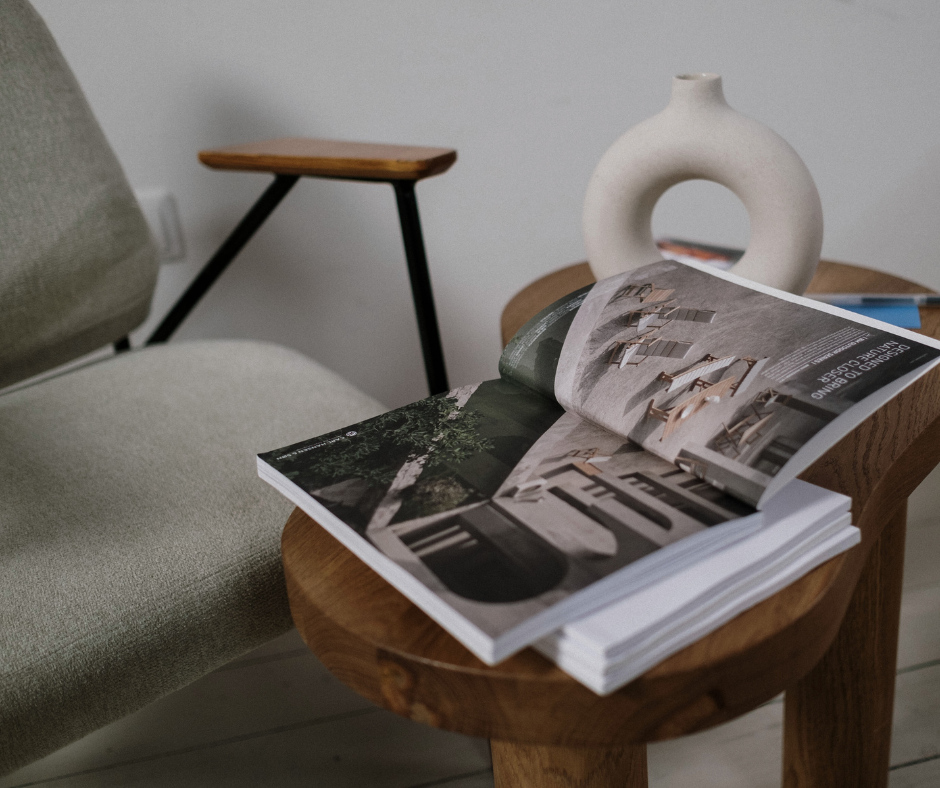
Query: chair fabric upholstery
x,y
77,264
138,547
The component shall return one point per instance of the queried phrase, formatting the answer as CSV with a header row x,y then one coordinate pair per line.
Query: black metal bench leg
x,y
421,286
414,255
246,228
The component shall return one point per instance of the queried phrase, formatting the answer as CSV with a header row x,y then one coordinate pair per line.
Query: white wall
x,y
530,94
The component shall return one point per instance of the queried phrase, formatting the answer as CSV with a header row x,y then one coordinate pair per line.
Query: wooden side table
x,y
291,158
829,639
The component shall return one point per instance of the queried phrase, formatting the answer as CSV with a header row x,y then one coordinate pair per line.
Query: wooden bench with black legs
x,y
292,158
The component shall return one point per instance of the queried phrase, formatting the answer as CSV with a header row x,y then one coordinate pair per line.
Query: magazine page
x,y
531,356
739,384
499,515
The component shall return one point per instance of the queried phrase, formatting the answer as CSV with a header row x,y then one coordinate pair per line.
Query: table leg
x,y
542,766
837,719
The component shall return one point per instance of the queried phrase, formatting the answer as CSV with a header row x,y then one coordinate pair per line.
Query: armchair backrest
x,y
77,264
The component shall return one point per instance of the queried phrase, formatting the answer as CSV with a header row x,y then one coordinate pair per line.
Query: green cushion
x,y
77,264
138,547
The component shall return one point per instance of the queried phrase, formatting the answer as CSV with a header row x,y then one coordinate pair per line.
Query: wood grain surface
x,y
332,159
380,644
854,680
540,766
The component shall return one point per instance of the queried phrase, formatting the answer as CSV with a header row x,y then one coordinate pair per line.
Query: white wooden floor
x,y
276,718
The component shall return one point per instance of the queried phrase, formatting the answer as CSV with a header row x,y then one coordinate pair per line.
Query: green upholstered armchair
x,y
138,550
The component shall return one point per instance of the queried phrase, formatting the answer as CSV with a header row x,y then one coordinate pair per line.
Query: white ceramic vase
x,y
698,136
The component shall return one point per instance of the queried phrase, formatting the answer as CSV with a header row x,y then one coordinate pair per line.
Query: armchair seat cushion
x,y
138,548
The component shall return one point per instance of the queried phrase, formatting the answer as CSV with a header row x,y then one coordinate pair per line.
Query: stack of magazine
x,y
628,484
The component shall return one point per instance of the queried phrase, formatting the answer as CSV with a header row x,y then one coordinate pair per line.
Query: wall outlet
x,y
162,215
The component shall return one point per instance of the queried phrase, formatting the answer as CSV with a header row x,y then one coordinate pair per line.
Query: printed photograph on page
x,y
725,381
500,503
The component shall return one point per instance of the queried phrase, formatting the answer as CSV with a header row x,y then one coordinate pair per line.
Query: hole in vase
x,y
704,212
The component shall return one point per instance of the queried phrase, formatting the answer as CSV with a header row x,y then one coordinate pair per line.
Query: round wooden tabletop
x,y
380,644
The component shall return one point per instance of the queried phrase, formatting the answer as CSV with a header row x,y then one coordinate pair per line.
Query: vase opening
x,y
698,90
697,77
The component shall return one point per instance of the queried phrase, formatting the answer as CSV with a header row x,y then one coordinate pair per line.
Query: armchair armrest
x,y
332,159
291,158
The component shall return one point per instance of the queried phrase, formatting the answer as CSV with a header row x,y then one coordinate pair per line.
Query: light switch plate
x,y
160,211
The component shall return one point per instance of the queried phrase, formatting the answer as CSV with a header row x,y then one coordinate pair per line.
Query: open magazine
x,y
645,433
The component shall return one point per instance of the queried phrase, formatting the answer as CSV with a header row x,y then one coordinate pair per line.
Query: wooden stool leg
x,y
541,766
837,719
